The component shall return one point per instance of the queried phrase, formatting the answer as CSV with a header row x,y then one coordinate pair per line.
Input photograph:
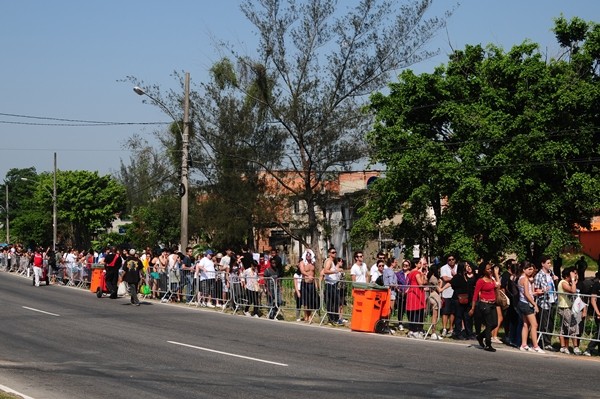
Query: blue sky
x,y
65,59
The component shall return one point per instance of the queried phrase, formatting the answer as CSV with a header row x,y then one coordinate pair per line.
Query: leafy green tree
x,y
314,67
86,203
234,138
19,190
148,175
501,147
155,223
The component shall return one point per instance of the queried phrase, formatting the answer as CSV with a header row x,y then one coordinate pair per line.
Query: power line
x,y
84,124
69,122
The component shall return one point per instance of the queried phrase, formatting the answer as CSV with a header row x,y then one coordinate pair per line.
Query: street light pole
x,y
54,213
184,185
7,218
184,164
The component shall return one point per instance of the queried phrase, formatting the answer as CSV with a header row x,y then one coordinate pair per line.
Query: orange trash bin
x,y
371,304
96,281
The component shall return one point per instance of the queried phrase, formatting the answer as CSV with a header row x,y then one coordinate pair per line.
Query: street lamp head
x,y
139,91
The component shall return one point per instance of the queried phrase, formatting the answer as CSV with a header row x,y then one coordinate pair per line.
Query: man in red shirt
x,y
38,263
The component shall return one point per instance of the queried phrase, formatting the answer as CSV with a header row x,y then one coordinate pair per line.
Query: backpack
x,y
379,280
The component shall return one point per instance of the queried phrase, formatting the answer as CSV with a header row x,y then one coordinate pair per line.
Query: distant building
x,y
336,217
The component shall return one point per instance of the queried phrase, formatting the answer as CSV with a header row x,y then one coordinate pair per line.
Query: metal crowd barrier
x,y
568,322
278,298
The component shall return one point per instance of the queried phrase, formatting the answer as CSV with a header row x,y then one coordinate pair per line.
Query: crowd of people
x,y
476,302
523,300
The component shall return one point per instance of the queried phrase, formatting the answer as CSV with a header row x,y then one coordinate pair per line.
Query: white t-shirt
x,y
447,271
71,259
373,270
360,272
226,261
207,269
375,275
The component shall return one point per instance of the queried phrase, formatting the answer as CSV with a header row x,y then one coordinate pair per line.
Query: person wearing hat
x,y
205,268
133,269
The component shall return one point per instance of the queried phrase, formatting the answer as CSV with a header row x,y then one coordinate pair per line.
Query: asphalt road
x,y
85,347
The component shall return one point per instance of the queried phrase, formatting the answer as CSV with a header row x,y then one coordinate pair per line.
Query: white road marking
x,y
9,390
41,311
228,354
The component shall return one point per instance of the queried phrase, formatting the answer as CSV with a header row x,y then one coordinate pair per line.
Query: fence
x,y
282,298
572,319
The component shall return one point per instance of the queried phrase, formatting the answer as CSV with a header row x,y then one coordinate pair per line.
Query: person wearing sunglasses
x,y
331,275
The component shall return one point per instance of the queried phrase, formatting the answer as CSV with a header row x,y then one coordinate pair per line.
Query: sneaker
x,y
549,348
450,332
434,337
564,350
400,327
209,305
587,353
420,335
410,334
444,333
247,314
489,349
257,316
524,348
496,340
538,350
339,323
577,351
298,320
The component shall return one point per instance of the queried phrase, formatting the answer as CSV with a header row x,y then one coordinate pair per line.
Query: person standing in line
x,y
447,272
595,304
390,280
374,271
484,298
297,294
459,284
331,273
187,270
545,283
358,271
250,282
528,308
272,291
206,269
112,264
415,299
278,262
569,320
308,287
133,270
401,276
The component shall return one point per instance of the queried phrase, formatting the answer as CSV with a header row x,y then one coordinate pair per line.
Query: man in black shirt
x,y
112,264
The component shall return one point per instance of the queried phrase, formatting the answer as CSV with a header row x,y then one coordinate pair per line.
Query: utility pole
x,y
7,218
54,216
184,164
